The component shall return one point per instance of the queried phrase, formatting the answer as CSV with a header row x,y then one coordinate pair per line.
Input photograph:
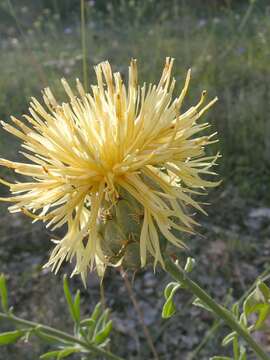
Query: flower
x,y
123,151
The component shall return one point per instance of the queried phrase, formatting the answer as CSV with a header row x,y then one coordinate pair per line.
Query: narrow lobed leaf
x,y
168,308
69,300
103,335
199,303
3,293
77,306
11,337
101,323
264,289
48,338
96,313
190,264
229,338
60,354
169,288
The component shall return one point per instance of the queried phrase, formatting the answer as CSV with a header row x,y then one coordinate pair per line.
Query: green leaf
x,y
243,353
258,302
68,296
243,320
102,335
229,338
264,289
87,322
87,327
199,303
169,288
264,312
91,322
190,264
249,304
168,308
11,337
60,354
48,338
77,305
97,311
235,310
102,321
50,355
3,293
220,358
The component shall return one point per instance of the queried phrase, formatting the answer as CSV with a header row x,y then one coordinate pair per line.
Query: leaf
x,y
50,355
258,302
243,353
96,313
102,335
86,328
91,322
220,358
243,320
264,289
168,308
199,303
87,322
189,264
77,305
102,321
11,337
264,312
235,310
68,296
229,338
60,354
48,338
3,293
169,288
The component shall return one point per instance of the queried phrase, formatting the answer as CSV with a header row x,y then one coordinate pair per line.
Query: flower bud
x,y
119,230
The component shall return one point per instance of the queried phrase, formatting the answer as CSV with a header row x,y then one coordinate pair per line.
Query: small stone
x,y
263,212
150,280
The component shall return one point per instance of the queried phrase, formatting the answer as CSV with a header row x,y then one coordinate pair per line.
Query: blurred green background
x,y
226,43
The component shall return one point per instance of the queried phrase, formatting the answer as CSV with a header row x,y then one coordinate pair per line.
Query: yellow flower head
x,y
88,155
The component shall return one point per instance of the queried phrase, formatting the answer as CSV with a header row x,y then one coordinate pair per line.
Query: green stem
x,y
47,330
235,348
265,275
181,276
30,53
84,50
204,341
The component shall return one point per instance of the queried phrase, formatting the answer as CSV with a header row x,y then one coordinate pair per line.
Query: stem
x,y
243,23
140,315
204,341
265,275
235,348
29,52
102,296
181,276
60,335
84,51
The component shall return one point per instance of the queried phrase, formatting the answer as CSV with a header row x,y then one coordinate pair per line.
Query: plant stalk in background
x,y
84,47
